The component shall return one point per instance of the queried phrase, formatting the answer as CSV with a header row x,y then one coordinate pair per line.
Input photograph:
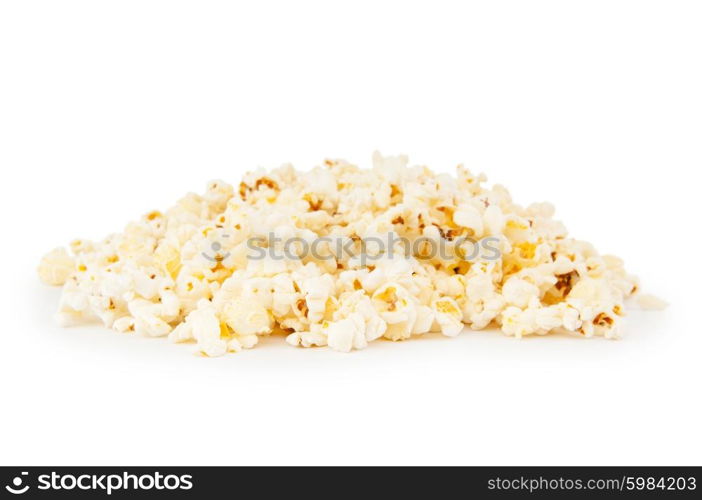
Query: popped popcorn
x,y
205,272
56,266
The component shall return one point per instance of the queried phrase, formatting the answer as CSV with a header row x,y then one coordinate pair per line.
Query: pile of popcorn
x,y
189,273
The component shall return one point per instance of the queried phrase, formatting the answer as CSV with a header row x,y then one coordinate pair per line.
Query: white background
x,y
110,109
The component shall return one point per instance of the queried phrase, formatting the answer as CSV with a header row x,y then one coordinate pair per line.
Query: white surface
x,y
108,110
